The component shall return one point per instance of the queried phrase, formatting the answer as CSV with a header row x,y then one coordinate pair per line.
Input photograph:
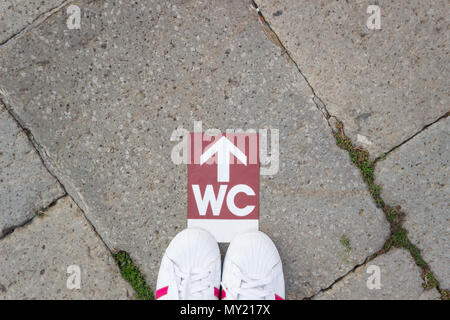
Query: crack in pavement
x,y
368,259
273,37
5,232
384,155
36,22
40,150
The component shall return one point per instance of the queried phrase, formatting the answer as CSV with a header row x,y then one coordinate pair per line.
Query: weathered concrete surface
x,y
104,100
399,280
35,258
15,15
416,177
385,85
25,184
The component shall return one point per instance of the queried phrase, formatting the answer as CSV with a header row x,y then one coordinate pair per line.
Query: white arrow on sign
x,y
223,147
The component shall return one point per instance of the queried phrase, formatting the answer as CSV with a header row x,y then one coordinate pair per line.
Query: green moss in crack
x,y
361,159
394,215
400,239
131,273
431,282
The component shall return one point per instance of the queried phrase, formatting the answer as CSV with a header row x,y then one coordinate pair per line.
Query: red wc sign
x,y
223,183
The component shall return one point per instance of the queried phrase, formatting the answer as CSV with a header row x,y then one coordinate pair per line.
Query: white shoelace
x,y
192,283
251,288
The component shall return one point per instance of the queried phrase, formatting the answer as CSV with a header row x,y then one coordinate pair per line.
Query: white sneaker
x,y
252,269
190,268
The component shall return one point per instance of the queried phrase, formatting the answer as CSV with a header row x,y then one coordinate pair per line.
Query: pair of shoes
x,y
191,268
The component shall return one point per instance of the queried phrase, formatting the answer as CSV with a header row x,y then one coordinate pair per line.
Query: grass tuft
x,y
131,273
346,243
41,213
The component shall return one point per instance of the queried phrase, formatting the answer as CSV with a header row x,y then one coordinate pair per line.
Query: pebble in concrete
x,y
416,178
35,259
385,85
104,100
400,279
15,15
25,184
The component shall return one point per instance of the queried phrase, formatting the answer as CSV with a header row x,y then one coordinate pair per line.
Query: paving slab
x,y
416,178
400,279
104,100
385,85
25,184
15,15
35,259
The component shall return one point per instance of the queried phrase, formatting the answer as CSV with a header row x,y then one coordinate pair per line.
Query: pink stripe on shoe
x,y
224,294
161,292
216,293
277,297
